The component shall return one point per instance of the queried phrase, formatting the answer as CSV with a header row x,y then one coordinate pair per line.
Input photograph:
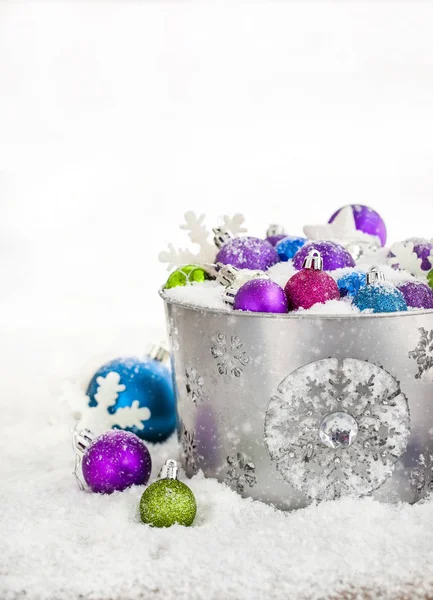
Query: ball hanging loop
x,y
313,261
374,275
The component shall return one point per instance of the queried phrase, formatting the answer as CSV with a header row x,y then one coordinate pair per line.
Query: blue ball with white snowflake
x,y
288,247
350,283
135,395
380,297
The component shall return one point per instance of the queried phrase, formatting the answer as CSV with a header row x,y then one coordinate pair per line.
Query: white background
x,y
116,118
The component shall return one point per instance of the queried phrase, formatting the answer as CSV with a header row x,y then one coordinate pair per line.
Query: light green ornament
x,y
168,501
430,278
185,275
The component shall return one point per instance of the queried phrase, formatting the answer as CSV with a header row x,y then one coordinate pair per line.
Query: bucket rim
x,y
294,315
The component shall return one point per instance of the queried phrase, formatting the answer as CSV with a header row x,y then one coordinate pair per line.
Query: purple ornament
x,y
366,220
261,295
248,253
423,248
115,461
334,256
274,239
416,294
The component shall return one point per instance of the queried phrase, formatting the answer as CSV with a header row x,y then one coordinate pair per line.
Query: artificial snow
x,y
59,543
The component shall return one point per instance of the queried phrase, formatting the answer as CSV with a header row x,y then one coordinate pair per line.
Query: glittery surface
x,y
366,220
148,382
308,287
166,502
115,461
351,283
248,253
334,256
186,274
422,249
380,297
416,294
430,279
261,295
288,247
274,239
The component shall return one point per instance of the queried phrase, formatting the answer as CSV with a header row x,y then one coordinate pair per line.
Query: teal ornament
x,y
350,283
288,247
377,296
135,395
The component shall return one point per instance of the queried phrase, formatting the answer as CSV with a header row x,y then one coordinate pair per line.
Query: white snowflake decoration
x,y
97,418
342,230
201,236
405,258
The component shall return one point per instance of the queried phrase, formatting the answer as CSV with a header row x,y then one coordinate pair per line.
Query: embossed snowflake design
x,y
229,354
337,427
241,472
423,354
194,386
189,450
421,477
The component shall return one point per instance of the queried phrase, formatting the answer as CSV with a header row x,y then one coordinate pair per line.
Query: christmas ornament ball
x,y
350,283
333,255
261,295
416,294
115,461
430,279
367,220
424,250
166,502
185,275
248,253
274,239
143,389
288,247
309,287
380,297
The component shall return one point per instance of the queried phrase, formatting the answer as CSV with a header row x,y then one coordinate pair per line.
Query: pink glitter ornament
x,y
311,285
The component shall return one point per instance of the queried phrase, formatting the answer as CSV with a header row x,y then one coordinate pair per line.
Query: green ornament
x,y
430,278
186,274
168,501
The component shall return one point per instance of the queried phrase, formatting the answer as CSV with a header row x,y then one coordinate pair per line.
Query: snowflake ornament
x,y
402,256
202,237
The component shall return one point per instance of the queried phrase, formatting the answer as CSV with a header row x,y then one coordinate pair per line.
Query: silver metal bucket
x,y
294,408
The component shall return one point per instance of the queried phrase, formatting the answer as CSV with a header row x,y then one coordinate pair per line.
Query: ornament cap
x,y
169,469
158,352
227,274
228,294
221,236
374,275
82,440
313,261
275,230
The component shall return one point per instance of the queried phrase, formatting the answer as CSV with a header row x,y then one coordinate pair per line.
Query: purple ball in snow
x,y
334,256
423,248
248,253
115,461
274,239
366,220
261,295
416,294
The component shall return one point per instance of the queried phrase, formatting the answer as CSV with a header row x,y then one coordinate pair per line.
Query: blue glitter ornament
x,y
288,247
378,296
350,283
136,395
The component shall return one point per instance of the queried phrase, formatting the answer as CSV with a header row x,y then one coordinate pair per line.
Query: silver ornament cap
x,y
375,275
82,440
228,294
313,261
275,230
227,274
221,236
169,469
158,352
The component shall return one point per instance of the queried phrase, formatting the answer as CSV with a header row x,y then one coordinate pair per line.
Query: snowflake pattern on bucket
x,y
194,386
337,427
421,477
241,472
230,355
423,354
189,450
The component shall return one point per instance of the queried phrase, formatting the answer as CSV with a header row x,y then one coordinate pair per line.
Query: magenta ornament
x,y
115,461
366,220
261,295
416,294
248,253
333,255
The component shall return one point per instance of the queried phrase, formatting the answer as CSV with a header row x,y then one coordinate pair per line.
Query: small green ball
x,y
430,278
166,502
186,274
